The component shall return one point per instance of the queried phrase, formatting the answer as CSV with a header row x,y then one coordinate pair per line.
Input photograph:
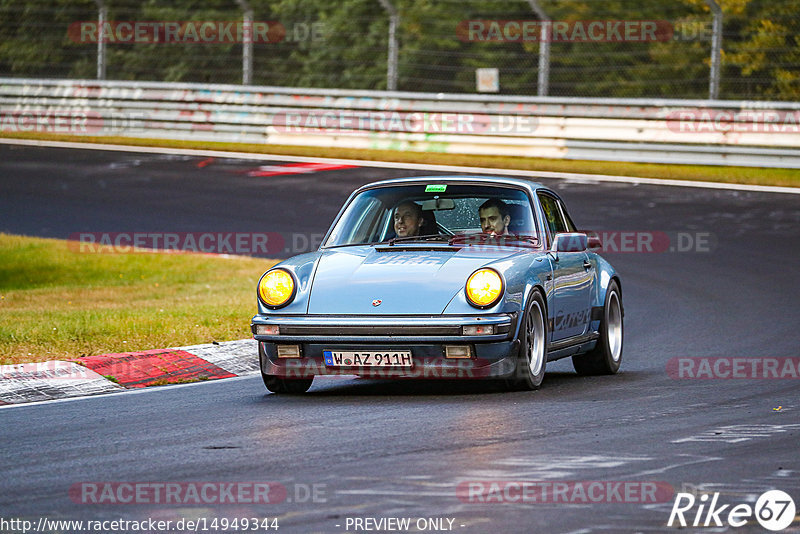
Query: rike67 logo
x,y
774,510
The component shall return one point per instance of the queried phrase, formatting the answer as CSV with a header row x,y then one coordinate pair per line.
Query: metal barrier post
x,y
716,48
544,49
102,15
391,68
247,42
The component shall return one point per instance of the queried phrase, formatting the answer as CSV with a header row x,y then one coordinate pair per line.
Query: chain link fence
x,y
588,48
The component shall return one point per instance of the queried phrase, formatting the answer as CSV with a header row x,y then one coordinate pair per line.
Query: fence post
x,y
544,49
716,50
102,15
391,68
247,42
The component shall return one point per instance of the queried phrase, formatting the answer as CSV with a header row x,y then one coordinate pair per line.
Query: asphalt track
x,y
380,449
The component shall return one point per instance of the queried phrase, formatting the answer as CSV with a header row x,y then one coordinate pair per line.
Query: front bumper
x,y
492,355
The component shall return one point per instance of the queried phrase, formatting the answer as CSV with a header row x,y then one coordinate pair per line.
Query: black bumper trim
x,y
373,330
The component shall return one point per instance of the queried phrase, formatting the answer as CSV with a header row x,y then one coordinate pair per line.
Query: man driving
x,y
407,219
494,216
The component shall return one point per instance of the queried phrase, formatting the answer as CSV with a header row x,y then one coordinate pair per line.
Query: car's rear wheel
x,y
532,358
277,384
606,357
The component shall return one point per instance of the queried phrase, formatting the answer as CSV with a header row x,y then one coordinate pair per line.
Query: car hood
x,y
406,280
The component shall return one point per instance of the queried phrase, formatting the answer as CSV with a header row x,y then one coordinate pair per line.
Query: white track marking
x,y
739,433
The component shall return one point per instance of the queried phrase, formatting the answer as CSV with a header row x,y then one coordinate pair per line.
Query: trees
x,y
766,48
320,43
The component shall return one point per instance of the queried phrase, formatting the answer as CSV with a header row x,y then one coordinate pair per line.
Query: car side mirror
x,y
593,239
570,242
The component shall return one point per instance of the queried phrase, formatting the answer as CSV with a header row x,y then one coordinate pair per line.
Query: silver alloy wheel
x,y
614,327
535,339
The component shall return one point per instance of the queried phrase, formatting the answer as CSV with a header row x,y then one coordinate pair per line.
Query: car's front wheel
x,y
606,357
532,358
277,384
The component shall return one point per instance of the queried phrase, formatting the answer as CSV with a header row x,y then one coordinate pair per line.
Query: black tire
x,y
606,357
532,357
291,386
278,384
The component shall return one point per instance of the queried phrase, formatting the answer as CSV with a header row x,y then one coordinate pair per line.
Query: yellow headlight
x,y
484,288
276,288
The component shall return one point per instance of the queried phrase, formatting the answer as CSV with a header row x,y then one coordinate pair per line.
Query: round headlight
x,y
276,288
484,288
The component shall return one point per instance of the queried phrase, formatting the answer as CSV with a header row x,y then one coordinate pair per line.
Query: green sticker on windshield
x,y
436,188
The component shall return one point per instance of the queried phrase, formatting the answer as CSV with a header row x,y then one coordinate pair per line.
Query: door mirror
x,y
570,242
593,240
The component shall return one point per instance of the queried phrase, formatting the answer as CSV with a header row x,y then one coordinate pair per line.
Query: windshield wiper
x,y
493,239
347,245
428,237
405,239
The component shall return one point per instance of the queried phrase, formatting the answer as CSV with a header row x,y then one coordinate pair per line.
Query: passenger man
x,y
494,217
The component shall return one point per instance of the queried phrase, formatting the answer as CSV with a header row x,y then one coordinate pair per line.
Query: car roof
x,y
458,178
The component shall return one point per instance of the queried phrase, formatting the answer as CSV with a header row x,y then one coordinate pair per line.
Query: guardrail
x,y
759,134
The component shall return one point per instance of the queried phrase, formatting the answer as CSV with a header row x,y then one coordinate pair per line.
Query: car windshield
x,y
456,213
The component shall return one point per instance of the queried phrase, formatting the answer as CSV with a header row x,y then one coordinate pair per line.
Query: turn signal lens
x,y
267,330
276,288
484,288
482,330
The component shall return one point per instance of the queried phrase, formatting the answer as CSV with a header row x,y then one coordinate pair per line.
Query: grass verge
x,y
707,173
56,303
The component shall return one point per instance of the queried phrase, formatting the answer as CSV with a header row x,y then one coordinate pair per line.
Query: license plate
x,y
346,358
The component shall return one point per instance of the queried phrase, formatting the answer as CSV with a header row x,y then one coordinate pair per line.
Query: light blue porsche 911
x,y
442,277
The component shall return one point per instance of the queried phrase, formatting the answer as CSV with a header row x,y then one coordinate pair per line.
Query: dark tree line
x,y
343,44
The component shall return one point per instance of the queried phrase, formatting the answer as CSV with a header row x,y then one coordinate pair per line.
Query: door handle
x,y
587,264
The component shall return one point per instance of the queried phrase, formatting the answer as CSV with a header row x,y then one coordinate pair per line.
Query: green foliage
x,y
768,53
59,302
34,38
344,44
